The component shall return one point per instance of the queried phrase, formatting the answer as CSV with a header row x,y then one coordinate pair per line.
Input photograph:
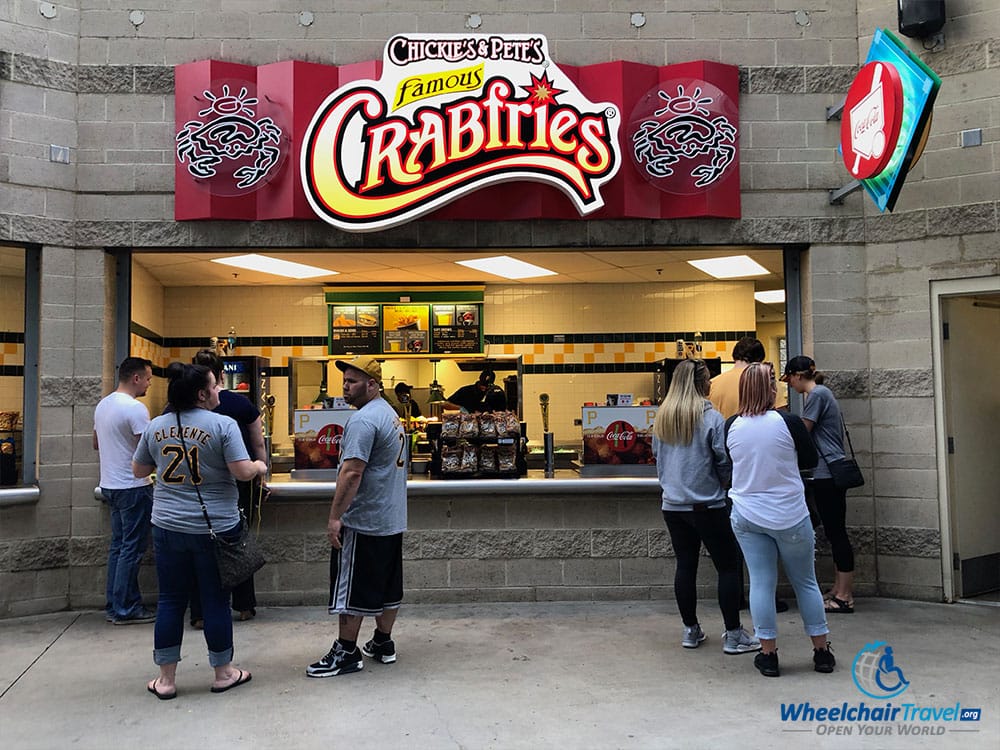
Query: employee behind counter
x,y
483,395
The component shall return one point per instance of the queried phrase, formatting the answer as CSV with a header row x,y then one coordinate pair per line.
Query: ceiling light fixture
x,y
506,267
274,266
773,297
730,268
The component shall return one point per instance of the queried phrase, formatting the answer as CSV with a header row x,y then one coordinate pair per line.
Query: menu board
x,y
406,329
421,325
456,329
354,329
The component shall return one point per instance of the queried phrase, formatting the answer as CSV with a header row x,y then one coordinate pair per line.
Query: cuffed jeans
x,y
130,511
796,547
181,561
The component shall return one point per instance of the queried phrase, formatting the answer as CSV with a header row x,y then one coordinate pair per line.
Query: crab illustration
x,y
689,132
232,134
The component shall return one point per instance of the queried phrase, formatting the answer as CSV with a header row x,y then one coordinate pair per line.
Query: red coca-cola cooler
x,y
618,441
316,441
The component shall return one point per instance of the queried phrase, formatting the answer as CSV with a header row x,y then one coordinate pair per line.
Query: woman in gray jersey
x,y
823,419
194,452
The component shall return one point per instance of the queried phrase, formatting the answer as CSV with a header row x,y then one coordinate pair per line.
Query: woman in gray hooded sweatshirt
x,y
694,471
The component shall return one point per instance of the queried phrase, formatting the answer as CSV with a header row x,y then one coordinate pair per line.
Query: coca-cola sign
x,y
620,436
873,116
328,438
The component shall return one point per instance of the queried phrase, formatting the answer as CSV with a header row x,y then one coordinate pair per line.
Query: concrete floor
x,y
567,675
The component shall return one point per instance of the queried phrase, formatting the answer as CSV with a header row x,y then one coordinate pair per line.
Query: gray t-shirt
x,y
212,441
374,435
822,409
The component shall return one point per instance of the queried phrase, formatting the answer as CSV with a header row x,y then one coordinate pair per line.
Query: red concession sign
x,y
873,114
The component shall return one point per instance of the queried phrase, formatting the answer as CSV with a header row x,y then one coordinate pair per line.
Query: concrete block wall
x,y
91,78
498,548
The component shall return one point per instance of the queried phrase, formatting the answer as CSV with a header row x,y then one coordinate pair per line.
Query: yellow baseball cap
x,y
368,365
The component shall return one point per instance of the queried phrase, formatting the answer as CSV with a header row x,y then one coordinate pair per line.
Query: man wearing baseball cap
x,y
483,395
367,521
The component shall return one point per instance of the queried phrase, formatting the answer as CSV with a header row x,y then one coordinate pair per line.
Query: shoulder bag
x,y
236,560
845,471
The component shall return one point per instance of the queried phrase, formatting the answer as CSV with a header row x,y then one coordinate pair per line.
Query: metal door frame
x,y
939,291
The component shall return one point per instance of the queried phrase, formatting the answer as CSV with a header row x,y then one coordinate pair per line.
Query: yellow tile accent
x,y
538,348
529,359
558,358
265,351
10,348
619,357
649,357
296,351
629,346
588,358
508,348
660,347
598,348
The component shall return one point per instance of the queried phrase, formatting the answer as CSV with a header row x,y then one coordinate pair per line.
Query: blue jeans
x,y
183,561
796,546
130,510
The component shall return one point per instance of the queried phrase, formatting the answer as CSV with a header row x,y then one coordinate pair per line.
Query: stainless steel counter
x,y
565,482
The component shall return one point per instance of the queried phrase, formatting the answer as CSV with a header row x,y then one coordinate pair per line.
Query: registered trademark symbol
x,y
611,113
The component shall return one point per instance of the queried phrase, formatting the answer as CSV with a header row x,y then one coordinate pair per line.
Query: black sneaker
x,y
384,652
767,664
337,661
823,660
142,617
780,605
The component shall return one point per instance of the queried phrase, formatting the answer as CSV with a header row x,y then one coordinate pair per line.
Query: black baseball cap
x,y
798,366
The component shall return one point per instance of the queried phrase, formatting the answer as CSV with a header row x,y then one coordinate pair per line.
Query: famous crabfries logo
x,y
449,115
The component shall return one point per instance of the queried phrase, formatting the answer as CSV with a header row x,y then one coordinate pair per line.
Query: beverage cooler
x,y
243,375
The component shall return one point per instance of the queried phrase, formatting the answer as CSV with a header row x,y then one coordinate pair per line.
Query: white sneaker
x,y
693,636
739,641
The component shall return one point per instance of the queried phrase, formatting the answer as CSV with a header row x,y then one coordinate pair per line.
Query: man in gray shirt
x,y
367,521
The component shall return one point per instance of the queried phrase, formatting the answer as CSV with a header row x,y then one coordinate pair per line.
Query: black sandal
x,y
835,605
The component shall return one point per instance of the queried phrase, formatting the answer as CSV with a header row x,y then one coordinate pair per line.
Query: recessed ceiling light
x,y
275,266
506,267
730,268
773,297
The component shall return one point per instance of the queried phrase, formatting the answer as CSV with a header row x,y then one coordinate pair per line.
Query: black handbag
x,y
236,560
845,472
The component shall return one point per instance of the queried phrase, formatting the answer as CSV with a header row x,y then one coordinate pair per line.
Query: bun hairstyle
x,y
184,383
211,360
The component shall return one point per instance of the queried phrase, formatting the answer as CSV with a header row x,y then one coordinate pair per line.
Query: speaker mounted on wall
x,y
920,19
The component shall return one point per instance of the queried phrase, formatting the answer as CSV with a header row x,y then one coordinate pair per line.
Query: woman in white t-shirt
x,y
770,518
196,455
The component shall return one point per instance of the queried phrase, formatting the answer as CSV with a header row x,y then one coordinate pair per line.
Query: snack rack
x,y
491,445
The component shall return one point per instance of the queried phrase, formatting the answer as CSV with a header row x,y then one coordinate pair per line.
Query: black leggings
x,y
831,503
688,530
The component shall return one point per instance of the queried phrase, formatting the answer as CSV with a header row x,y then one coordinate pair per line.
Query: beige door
x,y
971,375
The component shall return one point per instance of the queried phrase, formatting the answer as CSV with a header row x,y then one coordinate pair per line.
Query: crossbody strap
x,y
204,510
847,433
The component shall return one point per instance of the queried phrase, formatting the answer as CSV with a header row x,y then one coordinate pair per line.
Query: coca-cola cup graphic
x,y
328,439
620,436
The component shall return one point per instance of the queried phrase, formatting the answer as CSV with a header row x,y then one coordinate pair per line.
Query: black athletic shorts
x,y
366,574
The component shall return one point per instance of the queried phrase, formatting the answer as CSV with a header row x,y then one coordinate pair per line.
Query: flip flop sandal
x,y
162,696
244,678
835,605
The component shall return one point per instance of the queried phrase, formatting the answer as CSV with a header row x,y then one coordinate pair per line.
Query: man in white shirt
x,y
119,421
